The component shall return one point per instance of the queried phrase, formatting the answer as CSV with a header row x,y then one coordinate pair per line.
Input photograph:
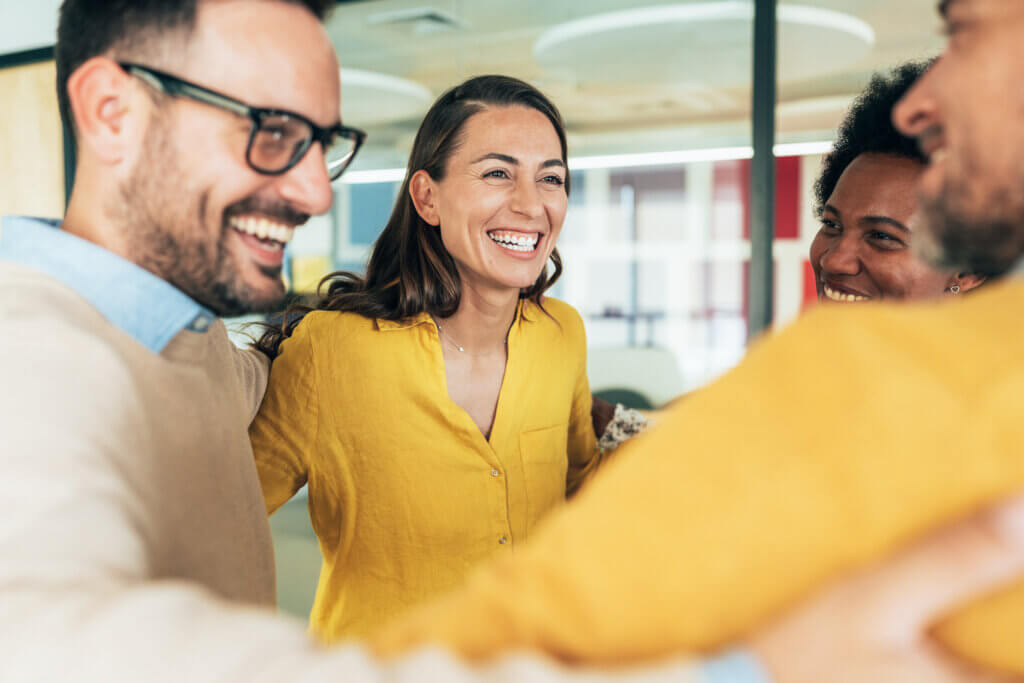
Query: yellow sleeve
x,y
584,456
842,438
285,429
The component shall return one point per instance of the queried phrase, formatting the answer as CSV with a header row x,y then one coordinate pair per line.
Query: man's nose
x,y
916,112
306,186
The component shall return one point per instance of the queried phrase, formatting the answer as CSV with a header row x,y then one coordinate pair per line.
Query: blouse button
x,y
503,540
495,473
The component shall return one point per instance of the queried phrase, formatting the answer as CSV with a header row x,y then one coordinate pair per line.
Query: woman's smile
x,y
841,296
515,242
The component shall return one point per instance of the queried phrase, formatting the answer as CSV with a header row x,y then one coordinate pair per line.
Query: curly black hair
x,y
868,127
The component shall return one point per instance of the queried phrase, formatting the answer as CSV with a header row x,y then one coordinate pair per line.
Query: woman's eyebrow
x,y
874,220
499,157
870,220
515,162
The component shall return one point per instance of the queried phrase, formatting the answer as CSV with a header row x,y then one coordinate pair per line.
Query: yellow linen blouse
x,y
405,493
837,440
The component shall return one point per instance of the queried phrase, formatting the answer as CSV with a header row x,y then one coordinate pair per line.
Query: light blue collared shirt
x,y
134,300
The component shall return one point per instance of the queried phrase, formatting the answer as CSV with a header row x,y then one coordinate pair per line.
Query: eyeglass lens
x,y
281,141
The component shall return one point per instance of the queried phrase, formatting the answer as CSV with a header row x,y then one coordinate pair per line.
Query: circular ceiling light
x,y
371,98
707,43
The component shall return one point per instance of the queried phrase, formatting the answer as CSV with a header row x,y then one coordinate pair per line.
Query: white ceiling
x,y
633,89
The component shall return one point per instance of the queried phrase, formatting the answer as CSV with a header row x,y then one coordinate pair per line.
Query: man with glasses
x,y
206,134
133,543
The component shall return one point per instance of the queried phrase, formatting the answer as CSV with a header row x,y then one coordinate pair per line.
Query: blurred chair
x,y
645,377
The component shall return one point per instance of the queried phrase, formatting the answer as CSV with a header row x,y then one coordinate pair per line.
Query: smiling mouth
x,y
271,234
842,297
515,241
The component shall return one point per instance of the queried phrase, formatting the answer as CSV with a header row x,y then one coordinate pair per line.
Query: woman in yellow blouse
x,y
440,407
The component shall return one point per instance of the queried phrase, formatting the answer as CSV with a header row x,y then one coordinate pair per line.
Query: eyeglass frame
x,y
175,86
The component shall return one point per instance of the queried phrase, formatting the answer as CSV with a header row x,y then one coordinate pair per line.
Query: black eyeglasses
x,y
279,139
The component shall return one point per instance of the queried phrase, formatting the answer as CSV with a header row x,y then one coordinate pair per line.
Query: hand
x,y
872,627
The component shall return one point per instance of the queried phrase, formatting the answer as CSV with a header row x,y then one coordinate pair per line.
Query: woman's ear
x,y
966,281
423,192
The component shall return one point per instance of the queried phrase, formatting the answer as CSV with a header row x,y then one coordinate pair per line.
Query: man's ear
x,y
967,281
101,94
423,192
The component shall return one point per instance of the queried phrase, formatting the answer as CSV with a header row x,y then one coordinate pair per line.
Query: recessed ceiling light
x,y
698,12
702,42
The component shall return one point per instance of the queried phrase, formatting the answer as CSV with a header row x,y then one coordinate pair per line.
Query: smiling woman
x,y
438,408
867,203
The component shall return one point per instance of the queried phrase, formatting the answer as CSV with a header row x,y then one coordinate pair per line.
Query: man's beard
x,y
988,242
168,236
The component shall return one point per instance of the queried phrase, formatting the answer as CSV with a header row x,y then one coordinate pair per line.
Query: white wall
x,y
27,24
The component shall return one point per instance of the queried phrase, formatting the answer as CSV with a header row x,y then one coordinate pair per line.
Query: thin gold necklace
x,y
450,338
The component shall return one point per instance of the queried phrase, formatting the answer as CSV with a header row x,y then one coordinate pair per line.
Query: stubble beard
x,y
985,241
166,222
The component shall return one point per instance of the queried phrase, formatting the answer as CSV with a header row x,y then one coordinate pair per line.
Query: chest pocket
x,y
545,462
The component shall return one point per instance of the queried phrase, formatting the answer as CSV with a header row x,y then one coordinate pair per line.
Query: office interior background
x,y
657,99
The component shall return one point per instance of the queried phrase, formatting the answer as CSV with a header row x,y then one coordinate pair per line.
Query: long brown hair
x,y
410,271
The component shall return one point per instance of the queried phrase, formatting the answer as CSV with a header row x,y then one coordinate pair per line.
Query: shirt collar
x,y
423,318
388,325
134,300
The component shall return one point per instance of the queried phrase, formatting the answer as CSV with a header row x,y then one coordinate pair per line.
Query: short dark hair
x,y
868,127
90,28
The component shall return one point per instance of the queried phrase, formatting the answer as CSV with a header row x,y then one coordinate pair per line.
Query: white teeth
x,y
279,233
833,295
515,242
263,229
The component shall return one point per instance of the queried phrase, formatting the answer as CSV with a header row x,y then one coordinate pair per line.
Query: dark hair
x,y
868,127
90,28
410,271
